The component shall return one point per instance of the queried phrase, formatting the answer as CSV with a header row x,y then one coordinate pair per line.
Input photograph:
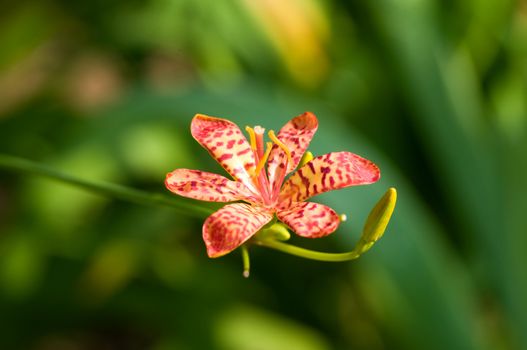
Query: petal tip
x,y
213,254
371,173
207,118
203,124
167,179
202,116
306,120
198,121
376,173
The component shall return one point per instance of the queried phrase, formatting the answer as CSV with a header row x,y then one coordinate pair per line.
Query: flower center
x,y
260,178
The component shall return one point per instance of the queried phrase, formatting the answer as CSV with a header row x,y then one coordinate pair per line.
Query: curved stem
x,y
306,253
103,188
373,230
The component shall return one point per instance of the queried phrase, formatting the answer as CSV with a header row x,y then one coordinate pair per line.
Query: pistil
x,y
260,179
263,160
259,136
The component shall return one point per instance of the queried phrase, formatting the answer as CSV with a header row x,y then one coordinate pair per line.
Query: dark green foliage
x,y
433,92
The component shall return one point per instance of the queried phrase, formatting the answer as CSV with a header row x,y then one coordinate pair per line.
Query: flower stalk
x,y
373,230
104,188
246,261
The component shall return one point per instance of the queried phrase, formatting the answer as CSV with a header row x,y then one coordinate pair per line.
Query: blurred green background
x,y
434,92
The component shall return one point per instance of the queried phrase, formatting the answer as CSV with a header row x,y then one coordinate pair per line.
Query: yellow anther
x,y
252,137
343,217
279,143
262,161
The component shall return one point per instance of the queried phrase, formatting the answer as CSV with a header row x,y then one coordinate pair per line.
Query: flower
x,y
264,191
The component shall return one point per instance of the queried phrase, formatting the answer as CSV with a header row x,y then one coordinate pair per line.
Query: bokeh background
x,y
434,92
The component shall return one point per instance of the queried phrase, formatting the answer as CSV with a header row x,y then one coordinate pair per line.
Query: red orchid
x,y
264,190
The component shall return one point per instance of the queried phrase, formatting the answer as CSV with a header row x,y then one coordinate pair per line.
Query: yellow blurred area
x,y
299,30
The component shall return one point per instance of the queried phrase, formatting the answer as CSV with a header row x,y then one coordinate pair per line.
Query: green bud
x,y
377,221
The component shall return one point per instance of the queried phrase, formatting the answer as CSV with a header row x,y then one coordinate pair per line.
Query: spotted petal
x,y
310,219
208,187
296,136
325,173
225,143
231,226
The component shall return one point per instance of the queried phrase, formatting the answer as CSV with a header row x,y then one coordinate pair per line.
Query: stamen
x,y
252,137
261,164
279,143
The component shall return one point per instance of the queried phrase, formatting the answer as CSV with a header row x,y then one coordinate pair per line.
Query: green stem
x,y
306,253
246,261
106,189
373,230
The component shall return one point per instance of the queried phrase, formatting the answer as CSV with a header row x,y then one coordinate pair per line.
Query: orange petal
x,y
231,226
308,219
325,173
226,143
208,187
296,136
